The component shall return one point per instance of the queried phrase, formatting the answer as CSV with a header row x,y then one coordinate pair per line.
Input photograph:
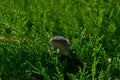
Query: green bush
x,y
93,27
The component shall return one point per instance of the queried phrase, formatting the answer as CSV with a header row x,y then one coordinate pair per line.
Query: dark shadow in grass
x,y
70,65
38,76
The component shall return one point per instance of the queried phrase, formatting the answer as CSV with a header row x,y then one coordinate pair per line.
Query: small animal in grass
x,y
63,44
72,63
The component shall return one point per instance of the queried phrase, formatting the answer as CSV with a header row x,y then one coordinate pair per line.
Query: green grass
x,y
93,27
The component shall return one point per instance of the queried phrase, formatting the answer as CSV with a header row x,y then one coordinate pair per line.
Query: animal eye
x,y
59,41
53,40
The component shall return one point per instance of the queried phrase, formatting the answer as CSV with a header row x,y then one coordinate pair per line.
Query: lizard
x,y
63,44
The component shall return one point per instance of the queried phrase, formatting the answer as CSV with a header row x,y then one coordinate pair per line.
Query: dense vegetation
x,y
26,26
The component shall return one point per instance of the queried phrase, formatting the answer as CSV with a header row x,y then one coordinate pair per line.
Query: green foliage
x,y
26,26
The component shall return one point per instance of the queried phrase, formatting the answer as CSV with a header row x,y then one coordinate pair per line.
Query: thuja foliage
x,y
92,26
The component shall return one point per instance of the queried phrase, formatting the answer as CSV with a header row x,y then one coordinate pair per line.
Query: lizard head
x,y
63,44
60,42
